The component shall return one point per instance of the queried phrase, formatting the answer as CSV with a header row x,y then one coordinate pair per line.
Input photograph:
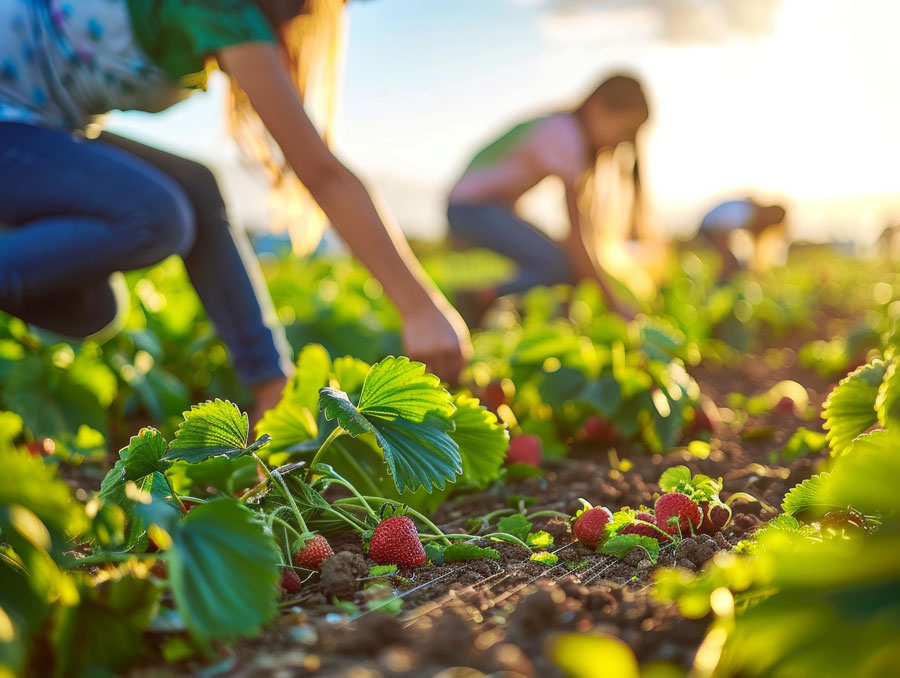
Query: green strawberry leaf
x,y
804,443
850,408
675,479
105,628
539,540
619,520
888,401
336,405
621,544
410,416
289,423
482,439
456,552
222,570
810,495
545,558
434,553
143,456
517,525
399,387
866,477
382,570
216,428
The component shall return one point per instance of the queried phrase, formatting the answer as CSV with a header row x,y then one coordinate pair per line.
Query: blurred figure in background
x,y
764,224
566,145
78,210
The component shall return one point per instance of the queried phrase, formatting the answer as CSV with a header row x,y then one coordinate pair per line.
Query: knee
x,y
166,221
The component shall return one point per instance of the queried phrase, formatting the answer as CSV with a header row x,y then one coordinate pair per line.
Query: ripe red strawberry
x,y
644,530
524,450
313,553
597,428
715,517
784,406
674,504
493,395
588,527
396,542
290,581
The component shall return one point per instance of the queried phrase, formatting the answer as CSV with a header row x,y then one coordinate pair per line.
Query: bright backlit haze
x,y
796,101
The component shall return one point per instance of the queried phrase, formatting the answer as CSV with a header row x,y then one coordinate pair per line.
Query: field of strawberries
x,y
707,490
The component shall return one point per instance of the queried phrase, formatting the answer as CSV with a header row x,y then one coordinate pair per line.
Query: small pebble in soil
x,y
340,573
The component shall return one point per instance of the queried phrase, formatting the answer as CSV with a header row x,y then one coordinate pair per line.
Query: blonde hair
x,y
311,37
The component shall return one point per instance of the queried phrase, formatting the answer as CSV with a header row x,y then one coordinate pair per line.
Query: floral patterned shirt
x,y
64,61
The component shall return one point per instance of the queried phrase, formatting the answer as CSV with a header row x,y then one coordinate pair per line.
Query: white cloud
x,y
671,21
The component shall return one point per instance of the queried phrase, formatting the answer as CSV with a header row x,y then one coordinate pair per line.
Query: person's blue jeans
x,y
539,258
75,211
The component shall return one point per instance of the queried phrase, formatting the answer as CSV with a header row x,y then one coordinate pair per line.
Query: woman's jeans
x,y
75,211
495,227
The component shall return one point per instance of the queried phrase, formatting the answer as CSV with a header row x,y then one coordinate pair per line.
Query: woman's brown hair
x,y
619,93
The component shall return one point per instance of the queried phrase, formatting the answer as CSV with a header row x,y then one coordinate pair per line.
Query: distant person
x,y
76,211
765,224
566,145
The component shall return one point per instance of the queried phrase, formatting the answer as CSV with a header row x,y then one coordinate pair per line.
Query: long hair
x,y
619,93
310,35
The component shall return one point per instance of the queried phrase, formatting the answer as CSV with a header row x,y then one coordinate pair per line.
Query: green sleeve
x,y
178,35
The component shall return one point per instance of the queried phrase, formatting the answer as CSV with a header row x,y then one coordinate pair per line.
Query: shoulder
x,y
180,35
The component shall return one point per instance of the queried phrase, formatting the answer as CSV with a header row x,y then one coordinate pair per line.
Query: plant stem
x,y
505,536
340,480
175,495
557,514
499,512
445,537
287,526
336,433
278,482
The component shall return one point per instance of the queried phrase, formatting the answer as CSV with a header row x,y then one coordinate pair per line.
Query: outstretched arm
x,y
580,249
433,331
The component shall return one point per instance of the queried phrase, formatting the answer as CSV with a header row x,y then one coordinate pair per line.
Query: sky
x,y
789,100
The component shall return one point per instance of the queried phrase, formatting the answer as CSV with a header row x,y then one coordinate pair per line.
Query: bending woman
x,y
566,145
75,210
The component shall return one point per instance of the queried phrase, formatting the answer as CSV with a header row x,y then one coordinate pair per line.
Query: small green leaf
x,y
804,443
223,570
621,544
675,479
545,558
211,429
850,408
143,456
539,540
382,570
469,552
619,520
434,553
517,525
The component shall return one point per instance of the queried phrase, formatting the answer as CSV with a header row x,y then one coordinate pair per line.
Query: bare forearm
x,y
376,241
